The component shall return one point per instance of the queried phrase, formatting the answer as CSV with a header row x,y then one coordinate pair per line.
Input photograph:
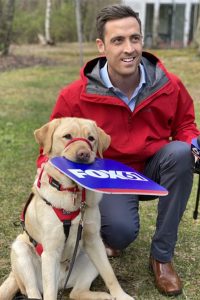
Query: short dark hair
x,y
114,12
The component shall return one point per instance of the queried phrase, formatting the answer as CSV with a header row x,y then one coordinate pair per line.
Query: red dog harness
x,y
64,216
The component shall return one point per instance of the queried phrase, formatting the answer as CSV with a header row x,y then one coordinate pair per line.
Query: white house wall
x,y
140,7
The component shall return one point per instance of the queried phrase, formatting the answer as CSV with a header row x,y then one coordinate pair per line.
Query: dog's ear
x,y
104,141
44,135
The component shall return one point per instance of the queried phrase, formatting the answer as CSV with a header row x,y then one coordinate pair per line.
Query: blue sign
x,y
108,176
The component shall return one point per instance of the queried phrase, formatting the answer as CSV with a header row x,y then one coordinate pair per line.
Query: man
x,y
150,117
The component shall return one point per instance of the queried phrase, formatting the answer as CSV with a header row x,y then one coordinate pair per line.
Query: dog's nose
x,y
83,155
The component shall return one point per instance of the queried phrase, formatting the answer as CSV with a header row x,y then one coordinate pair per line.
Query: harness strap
x,y
66,228
22,217
63,214
78,238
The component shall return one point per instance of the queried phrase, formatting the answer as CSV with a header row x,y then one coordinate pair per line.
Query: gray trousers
x,y
171,167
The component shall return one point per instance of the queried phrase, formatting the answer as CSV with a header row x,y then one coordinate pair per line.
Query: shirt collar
x,y
105,77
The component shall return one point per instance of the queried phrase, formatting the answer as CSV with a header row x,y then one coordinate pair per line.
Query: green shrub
x,y
63,24
27,26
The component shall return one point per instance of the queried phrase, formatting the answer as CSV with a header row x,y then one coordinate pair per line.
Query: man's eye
x,y
91,138
68,136
117,41
136,38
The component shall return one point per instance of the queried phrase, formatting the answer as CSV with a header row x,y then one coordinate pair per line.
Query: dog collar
x,y
53,182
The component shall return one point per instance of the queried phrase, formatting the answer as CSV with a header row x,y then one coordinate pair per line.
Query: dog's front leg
x,y
50,274
96,251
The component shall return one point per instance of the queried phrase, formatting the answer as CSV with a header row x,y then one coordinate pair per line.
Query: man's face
x,y
122,47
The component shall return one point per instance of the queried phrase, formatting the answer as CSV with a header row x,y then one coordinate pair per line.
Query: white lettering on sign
x,y
107,174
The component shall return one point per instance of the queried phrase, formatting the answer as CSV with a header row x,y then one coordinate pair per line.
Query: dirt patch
x,y
16,62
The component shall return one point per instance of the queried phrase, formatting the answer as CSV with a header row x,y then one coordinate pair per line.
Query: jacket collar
x,y
157,78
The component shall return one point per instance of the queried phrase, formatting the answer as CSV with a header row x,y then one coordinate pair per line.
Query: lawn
x,y
27,96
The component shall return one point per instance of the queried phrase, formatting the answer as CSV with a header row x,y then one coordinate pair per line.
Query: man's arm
x,y
184,127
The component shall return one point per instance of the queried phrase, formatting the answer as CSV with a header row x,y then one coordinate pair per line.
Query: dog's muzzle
x,y
79,139
83,154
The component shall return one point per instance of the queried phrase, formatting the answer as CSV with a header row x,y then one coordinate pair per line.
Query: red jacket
x,y
164,111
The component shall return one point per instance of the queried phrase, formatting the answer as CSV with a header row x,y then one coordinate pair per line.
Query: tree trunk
x,y
2,27
9,15
155,38
1,12
47,23
58,3
197,36
79,30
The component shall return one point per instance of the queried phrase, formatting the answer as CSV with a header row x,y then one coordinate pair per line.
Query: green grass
x,y
27,97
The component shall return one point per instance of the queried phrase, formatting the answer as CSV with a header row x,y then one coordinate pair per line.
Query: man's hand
x,y
195,146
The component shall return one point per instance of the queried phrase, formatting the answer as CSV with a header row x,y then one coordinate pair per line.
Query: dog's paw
x,y
103,296
123,296
91,295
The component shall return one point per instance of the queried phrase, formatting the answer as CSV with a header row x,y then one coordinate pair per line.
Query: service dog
x,y
54,196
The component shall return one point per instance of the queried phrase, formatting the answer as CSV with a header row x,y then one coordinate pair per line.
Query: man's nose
x,y
128,47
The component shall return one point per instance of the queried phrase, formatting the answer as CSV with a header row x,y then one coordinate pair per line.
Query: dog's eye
x,y
68,136
91,138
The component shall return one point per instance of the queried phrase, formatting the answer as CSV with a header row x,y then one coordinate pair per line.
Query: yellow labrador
x,y
55,197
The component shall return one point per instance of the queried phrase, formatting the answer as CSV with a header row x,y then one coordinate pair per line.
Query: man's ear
x,y
100,46
103,142
44,135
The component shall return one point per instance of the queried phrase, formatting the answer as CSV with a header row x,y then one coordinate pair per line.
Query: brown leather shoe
x,y
167,280
112,252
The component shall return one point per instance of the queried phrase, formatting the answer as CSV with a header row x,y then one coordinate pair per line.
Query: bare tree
x,y
197,36
58,3
1,11
47,23
155,38
7,25
79,30
46,38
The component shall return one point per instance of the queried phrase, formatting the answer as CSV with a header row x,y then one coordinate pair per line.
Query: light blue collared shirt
x,y
131,103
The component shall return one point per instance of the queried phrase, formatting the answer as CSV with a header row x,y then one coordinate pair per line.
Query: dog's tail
x,y
9,288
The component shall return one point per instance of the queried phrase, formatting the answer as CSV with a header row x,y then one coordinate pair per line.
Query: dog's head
x,y
74,138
